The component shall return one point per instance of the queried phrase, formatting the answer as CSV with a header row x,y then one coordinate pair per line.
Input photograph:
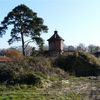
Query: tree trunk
x,y
23,46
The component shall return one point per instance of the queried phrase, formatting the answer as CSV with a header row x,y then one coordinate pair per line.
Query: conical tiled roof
x,y
55,36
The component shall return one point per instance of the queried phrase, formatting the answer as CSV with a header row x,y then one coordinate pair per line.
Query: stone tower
x,y
56,44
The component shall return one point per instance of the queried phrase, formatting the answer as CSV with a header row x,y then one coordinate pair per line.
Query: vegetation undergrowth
x,y
79,64
45,78
31,70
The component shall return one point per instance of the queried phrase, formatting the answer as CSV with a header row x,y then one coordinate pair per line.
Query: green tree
x,y
24,23
81,47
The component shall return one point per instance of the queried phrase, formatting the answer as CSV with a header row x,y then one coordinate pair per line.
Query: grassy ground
x,y
71,89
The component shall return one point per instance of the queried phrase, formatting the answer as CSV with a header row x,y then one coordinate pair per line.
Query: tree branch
x,y
27,43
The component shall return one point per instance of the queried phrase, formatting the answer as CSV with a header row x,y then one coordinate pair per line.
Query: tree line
x,y
81,47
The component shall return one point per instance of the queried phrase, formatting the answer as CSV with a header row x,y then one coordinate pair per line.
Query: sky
x,y
77,21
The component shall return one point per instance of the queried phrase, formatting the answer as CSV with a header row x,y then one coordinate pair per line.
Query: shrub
x,y
79,63
11,53
29,71
6,75
89,58
28,79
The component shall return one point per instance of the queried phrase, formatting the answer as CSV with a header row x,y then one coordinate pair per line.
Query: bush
x,y
28,79
9,75
79,63
29,71
6,75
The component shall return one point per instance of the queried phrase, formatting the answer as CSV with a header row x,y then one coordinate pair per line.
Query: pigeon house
x,y
56,44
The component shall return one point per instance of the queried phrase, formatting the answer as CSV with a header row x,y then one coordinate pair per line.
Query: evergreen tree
x,y
25,23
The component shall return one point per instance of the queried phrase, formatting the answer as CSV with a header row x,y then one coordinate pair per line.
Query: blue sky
x,y
77,21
